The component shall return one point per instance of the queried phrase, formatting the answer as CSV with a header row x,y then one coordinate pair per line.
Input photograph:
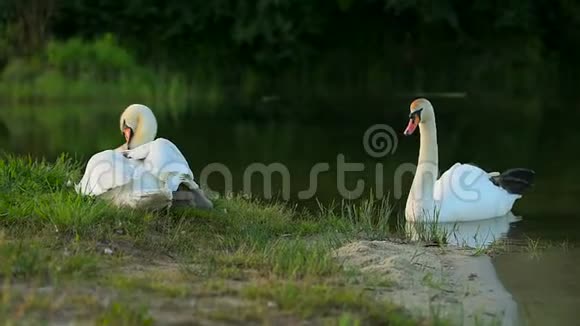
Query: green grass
x,y
368,218
428,232
77,258
26,259
120,314
308,299
534,247
147,285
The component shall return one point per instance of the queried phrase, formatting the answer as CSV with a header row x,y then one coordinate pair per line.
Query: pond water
x,y
529,132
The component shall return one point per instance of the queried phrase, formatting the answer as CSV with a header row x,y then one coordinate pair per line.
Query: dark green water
x,y
496,135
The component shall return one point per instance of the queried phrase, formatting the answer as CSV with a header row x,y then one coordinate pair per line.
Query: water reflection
x,y
474,234
545,284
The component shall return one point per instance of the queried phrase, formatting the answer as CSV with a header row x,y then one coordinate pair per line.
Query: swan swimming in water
x,y
144,172
464,192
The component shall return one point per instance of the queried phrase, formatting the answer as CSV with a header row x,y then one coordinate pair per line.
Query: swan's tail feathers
x,y
191,198
515,181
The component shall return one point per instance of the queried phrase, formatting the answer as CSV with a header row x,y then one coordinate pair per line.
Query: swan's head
x,y
421,112
138,125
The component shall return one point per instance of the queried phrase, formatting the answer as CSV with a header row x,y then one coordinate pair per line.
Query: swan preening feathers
x,y
144,172
464,192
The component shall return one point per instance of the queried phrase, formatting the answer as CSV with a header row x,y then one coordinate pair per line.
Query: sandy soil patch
x,y
449,282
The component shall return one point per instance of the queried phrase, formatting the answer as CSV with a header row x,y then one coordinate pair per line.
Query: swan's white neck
x,y
146,130
421,198
142,136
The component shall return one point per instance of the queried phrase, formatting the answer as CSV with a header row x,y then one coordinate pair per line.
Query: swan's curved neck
x,y
145,132
428,152
427,170
139,139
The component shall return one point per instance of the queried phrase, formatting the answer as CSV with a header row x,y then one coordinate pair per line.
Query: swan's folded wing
x,y
105,170
465,192
169,165
139,153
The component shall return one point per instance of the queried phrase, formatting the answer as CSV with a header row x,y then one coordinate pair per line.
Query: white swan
x,y
144,172
464,192
473,234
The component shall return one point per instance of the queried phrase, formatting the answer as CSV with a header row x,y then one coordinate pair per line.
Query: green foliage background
x,y
185,53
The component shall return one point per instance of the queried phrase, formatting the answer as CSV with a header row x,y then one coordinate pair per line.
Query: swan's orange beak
x,y
128,132
413,123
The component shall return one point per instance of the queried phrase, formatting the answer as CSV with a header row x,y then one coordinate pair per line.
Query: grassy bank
x,y
70,258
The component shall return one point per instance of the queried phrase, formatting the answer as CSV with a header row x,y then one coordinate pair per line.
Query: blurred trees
x,y
339,46
270,32
24,25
